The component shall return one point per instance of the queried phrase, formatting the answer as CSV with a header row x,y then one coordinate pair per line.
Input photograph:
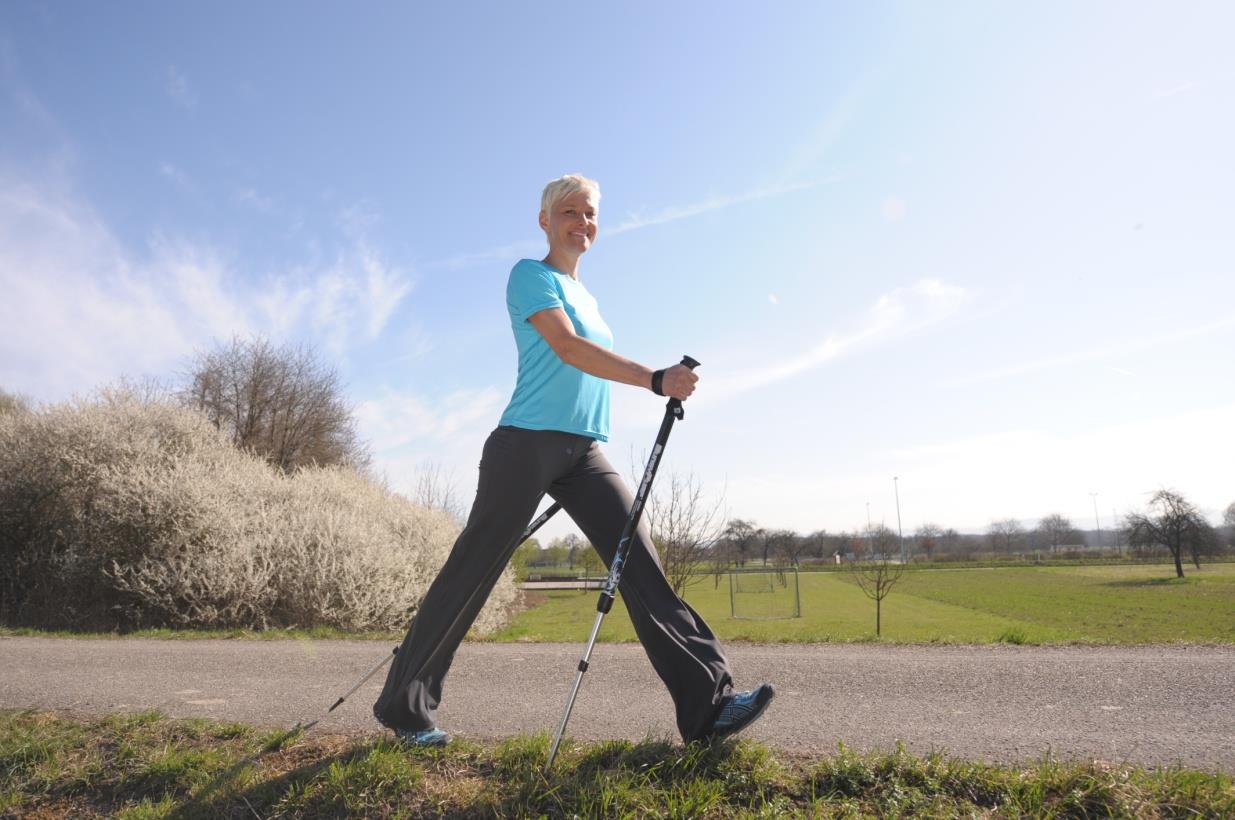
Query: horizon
x,y
987,251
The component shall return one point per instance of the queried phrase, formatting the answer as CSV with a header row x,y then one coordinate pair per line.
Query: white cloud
x,y
514,250
897,313
1121,348
178,177
397,419
357,219
713,203
1172,91
176,84
250,197
81,309
634,222
894,209
385,289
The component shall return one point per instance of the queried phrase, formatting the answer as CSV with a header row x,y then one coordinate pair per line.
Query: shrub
x,y
123,512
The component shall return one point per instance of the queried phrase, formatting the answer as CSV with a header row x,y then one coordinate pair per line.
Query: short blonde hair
x,y
557,189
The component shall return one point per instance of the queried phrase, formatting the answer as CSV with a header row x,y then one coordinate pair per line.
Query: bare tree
x,y
778,544
574,548
928,536
684,523
1228,521
789,547
435,489
1005,534
1056,530
281,403
720,556
741,536
876,573
815,544
1171,521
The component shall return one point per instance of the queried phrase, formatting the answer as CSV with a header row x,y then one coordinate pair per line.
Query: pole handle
x,y
673,405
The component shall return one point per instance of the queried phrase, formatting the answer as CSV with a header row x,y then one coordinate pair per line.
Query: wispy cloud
x,y
894,209
897,313
176,176
80,308
176,84
255,200
1172,91
636,221
396,419
514,250
1121,348
385,288
714,203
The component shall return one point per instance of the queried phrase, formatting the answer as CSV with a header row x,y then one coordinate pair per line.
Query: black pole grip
x,y
673,405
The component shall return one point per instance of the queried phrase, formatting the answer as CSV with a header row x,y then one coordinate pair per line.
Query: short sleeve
x,y
530,290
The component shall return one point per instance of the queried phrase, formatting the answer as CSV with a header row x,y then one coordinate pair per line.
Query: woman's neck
x,y
566,263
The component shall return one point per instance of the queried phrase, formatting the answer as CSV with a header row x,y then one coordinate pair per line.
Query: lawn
x,y
1087,604
148,766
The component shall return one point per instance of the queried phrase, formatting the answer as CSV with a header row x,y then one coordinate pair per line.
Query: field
x,y
147,766
1087,604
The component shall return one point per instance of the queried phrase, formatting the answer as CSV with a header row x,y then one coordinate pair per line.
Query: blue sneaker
x,y
425,738
741,710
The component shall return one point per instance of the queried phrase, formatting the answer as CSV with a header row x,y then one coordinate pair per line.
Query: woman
x,y
548,442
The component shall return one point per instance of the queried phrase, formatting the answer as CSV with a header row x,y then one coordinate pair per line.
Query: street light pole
x,y
1097,520
899,532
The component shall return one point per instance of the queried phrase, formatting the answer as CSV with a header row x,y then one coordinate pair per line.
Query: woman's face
x,y
571,224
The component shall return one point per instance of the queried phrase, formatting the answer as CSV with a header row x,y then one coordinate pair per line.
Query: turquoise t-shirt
x,y
550,394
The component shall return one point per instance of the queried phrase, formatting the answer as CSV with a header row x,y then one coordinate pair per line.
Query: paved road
x,y
1146,705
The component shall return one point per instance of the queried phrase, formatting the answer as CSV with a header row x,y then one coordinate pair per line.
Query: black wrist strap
x,y
657,379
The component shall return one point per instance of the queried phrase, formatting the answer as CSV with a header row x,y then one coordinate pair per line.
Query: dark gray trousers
x,y
517,468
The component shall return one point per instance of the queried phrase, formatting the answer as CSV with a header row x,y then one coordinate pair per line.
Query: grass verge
x,y
147,766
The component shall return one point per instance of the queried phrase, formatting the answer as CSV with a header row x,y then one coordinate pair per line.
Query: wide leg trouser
x,y
517,468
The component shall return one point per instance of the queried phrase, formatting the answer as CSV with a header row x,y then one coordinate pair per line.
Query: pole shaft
x,y
673,412
574,690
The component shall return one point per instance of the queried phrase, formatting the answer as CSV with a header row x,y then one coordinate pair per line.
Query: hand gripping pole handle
x,y
674,406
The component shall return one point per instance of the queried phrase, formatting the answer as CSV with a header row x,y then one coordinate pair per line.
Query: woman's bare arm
x,y
574,350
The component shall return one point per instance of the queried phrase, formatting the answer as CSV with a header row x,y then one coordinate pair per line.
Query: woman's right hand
x,y
679,382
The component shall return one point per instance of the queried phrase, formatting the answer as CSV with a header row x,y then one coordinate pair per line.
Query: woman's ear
x,y
544,221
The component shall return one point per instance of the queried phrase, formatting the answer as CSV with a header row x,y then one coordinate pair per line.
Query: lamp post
x,y
899,532
1097,520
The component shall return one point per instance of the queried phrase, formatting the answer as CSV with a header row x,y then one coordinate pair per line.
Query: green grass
x,y
147,766
1020,605
1104,604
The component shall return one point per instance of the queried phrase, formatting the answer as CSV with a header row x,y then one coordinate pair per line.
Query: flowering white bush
x,y
124,512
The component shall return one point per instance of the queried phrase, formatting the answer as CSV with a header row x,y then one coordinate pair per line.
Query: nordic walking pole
x,y
536,524
673,412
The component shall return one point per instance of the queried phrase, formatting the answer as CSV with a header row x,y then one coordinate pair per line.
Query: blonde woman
x,y
548,441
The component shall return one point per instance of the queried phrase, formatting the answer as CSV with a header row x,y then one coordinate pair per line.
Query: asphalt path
x,y
1145,705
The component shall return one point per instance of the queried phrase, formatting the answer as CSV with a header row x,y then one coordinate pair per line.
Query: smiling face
x,y
571,222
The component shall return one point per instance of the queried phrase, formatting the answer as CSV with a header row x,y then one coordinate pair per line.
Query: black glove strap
x,y
657,379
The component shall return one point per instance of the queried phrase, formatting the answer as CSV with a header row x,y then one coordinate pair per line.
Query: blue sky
x,y
986,248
